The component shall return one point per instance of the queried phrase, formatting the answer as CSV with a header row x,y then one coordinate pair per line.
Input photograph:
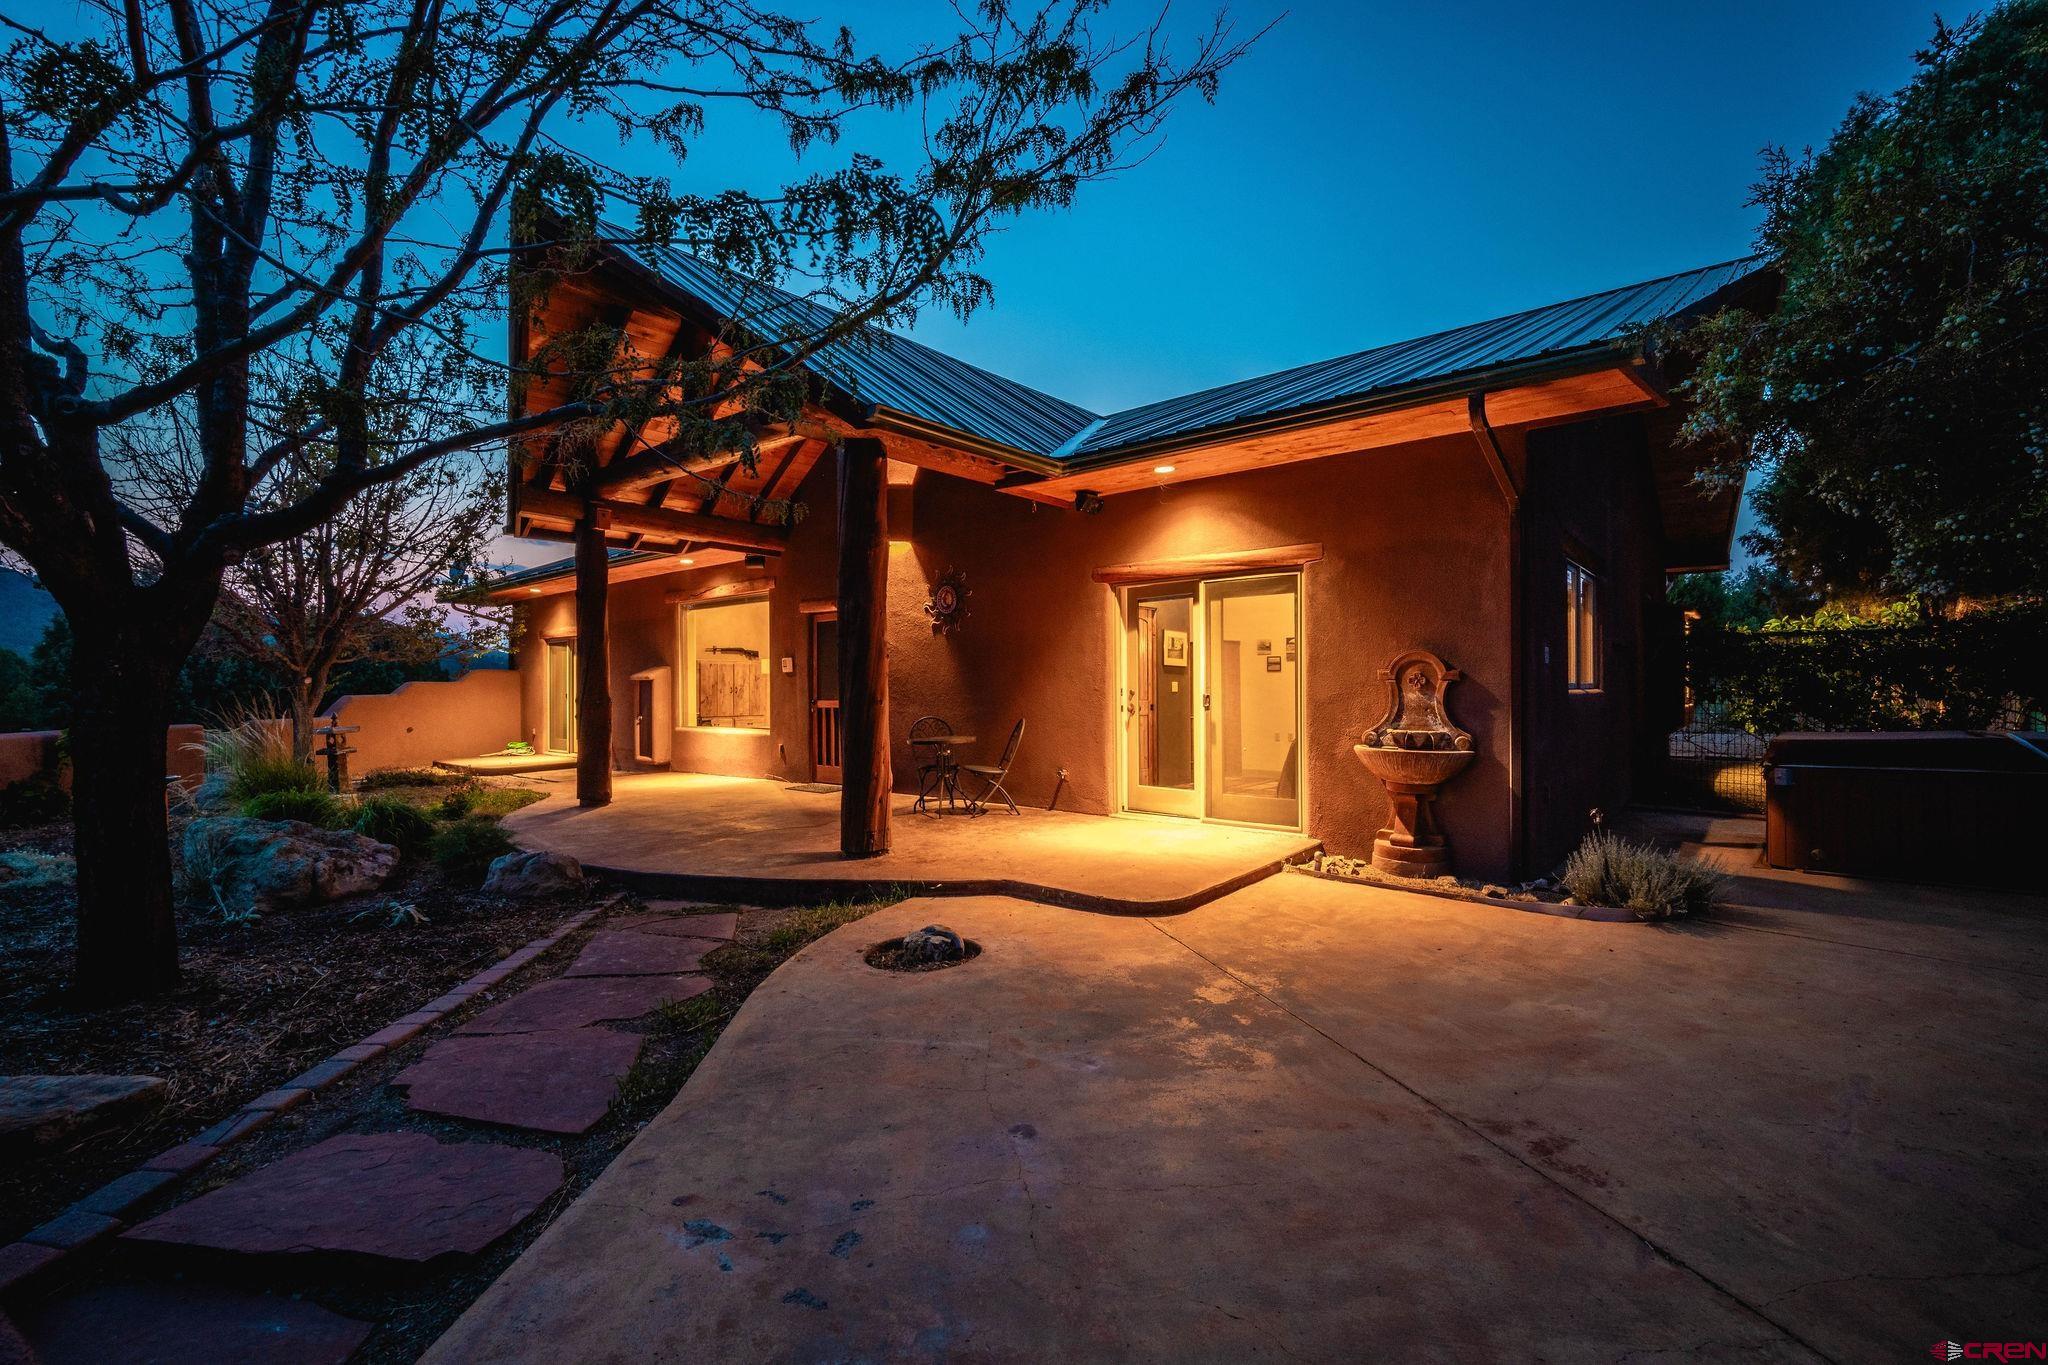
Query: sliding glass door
x,y
1211,699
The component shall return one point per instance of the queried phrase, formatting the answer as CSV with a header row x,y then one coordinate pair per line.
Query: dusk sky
x,y
1378,171
1373,172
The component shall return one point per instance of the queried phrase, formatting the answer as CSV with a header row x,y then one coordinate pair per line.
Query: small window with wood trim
x,y
1581,628
724,678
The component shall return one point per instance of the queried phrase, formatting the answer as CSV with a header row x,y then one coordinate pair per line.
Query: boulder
x,y
212,792
265,865
934,943
533,874
36,1111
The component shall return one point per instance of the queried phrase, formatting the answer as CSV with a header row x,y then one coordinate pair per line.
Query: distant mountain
x,y
24,610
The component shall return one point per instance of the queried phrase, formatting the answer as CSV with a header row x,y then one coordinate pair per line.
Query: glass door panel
x,y
1252,699
1159,702
561,696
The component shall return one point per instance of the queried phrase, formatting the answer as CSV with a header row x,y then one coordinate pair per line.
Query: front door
x,y
826,738
1211,699
560,730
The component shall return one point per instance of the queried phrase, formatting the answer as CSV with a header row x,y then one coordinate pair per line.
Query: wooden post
x,y
593,672
863,648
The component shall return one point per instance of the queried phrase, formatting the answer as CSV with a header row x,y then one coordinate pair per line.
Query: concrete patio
x,y
766,843
1333,1122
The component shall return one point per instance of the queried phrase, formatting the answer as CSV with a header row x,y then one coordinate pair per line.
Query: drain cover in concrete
x,y
585,1000
188,1324
559,1081
401,1196
689,926
627,953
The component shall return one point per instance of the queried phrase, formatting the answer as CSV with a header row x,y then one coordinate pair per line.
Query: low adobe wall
x,y
476,713
29,753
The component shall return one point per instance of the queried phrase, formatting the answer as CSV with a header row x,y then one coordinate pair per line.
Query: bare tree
x,y
250,207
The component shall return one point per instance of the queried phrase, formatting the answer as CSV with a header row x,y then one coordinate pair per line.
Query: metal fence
x,y
1712,765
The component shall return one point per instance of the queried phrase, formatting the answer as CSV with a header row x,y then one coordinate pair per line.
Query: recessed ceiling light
x,y
685,559
533,589
1162,469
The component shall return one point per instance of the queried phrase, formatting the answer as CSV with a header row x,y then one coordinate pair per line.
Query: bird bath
x,y
1413,751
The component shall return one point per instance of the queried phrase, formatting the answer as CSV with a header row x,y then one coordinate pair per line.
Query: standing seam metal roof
x,y
908,377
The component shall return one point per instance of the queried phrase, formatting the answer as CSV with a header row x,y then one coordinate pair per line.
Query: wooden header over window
x,y
742,587
1209,565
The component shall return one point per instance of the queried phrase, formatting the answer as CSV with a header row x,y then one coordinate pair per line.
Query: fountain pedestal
x,y
1413,751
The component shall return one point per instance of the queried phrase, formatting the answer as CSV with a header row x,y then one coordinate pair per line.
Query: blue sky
x,y
1377,171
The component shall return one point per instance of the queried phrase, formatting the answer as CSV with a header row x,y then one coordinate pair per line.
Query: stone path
x,y
547,1061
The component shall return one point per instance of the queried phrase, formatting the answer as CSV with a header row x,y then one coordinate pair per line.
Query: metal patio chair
x,y
993,775
935,762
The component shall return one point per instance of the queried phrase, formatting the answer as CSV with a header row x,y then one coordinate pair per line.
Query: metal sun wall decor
x,y
947,605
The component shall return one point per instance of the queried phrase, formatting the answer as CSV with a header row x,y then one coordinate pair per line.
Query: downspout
x,y
1511,495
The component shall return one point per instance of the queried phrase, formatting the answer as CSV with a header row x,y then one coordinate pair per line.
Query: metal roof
x,y
894,372
540,573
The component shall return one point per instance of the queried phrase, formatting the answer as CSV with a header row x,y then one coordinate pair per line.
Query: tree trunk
x,y
865,779
303,701
127,934
593,673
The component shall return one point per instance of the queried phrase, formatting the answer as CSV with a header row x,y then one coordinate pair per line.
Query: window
x,y
1581,629
724,677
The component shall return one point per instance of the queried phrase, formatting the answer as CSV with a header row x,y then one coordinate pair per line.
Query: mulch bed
x,y
891,956
258,1003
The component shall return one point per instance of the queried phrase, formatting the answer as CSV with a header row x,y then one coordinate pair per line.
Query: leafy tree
x,y
279,217
1893,402
1740,597
20,707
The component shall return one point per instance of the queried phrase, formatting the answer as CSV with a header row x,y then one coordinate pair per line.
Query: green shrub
x,y
464,850
1609,870
33,801
456,804
389,820
313,806
267,775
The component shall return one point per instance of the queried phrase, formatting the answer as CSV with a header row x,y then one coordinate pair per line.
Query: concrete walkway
x,y
766,843
1329,1122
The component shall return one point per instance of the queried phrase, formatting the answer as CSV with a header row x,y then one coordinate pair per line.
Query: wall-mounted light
x,y
1162,469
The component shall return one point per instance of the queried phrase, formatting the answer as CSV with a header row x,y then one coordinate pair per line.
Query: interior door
x,y
1251,637
561,697
1159,703
827,753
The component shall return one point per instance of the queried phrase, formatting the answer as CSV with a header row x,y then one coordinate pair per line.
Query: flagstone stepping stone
x,y
722,925
558,1081
573,1002
189,1324
626,953
38,1110
399,1196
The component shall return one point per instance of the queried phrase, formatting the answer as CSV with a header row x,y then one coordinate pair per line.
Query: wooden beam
x,y
1208,565
863,648
745,587
652,467
661,522
593,671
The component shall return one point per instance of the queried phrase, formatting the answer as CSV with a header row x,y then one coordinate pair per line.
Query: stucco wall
x,y
28,753
424,721
1415,554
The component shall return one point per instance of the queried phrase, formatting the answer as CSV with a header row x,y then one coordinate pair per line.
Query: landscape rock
x,y
38,1110
399,1196
533,874
212,792
934,943
265,865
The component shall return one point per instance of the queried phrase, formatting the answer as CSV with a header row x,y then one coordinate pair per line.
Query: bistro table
x,y
944,775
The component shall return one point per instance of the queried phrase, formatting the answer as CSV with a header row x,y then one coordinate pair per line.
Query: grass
x,y
464,850
1608,869
312,805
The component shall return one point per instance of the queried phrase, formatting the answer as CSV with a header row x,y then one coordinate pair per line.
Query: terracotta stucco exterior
x,y
1416,553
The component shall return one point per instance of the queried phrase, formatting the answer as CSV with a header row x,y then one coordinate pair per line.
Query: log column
x,y
863,648
593,672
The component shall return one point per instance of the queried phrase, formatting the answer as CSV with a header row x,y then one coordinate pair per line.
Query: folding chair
x,y
993,775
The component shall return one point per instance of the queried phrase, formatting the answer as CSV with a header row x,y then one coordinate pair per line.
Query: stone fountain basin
x,y
1412,767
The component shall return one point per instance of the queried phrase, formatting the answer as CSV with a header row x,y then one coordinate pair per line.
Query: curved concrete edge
x,y
781,892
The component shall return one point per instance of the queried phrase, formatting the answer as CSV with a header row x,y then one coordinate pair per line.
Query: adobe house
x,y
1190,602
